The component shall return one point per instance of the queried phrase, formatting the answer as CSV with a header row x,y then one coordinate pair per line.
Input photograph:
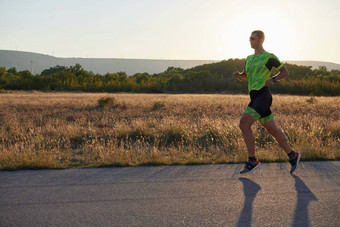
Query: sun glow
x,y
275,26
173,29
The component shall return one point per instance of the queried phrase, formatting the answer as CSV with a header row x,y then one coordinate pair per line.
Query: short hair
x,y
259,34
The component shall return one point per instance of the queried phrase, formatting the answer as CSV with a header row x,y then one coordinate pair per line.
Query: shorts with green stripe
x,y
259,106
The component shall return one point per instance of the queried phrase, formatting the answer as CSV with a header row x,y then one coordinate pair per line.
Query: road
x,y
196,195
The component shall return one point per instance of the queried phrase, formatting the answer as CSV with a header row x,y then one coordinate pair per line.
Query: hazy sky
x,y
171,29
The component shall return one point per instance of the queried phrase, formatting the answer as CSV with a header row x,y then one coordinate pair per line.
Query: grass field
x,y
67,130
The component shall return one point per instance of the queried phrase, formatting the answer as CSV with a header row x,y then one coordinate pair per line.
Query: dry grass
x,y
63,130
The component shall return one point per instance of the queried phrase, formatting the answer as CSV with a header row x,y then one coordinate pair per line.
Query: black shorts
x,y
259,106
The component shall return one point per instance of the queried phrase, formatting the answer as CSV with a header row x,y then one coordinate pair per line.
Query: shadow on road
x,y
250,189
304,197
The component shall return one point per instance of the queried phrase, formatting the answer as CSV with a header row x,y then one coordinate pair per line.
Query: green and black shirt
x,y
258,69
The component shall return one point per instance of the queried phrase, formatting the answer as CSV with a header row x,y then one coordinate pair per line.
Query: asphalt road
x,y
199,195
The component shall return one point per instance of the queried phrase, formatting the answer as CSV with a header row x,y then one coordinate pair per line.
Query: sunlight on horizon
x,y
150,29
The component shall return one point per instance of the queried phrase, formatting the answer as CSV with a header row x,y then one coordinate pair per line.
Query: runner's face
x,y
254,40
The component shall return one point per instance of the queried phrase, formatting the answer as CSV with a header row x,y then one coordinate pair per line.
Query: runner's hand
x,y
270,82
235,75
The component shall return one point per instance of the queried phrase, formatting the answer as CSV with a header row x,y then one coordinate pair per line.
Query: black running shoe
x,y
295,161
249,167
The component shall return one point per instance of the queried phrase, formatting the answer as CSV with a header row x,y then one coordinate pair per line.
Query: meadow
x,y
79,130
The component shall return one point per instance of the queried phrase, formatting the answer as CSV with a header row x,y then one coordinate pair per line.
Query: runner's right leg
x,y
245,125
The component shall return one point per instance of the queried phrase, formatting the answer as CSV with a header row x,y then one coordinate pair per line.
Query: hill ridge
x,y
22,61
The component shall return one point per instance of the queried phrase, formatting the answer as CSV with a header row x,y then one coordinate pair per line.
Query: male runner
x,y
257,72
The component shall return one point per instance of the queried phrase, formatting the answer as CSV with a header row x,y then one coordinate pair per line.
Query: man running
x,y
257,71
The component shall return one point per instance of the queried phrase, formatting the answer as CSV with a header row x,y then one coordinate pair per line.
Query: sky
x,y
171,29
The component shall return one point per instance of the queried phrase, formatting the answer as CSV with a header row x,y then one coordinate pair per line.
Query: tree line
x,y
207,78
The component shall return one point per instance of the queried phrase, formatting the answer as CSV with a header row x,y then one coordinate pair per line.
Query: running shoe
x,y
295,161
249,167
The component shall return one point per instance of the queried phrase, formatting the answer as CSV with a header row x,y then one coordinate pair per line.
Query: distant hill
x,y
22,61
316,64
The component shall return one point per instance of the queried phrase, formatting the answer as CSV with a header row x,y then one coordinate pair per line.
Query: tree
x,y
13,70
53,70
322,70
77,69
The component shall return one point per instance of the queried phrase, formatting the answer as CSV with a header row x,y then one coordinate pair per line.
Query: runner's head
x,y
256,38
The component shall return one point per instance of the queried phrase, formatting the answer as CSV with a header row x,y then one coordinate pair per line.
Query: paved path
x,y
201,195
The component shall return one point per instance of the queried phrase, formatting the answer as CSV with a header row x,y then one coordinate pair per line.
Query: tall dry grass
x,y
62,130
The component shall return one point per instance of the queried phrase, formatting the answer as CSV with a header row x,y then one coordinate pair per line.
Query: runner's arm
x,y
283,72
242,76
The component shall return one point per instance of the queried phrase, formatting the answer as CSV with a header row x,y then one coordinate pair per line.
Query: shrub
x,y
311,100
173,135
158,105
108,101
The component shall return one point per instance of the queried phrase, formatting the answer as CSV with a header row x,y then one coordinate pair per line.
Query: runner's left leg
x,y
280,137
